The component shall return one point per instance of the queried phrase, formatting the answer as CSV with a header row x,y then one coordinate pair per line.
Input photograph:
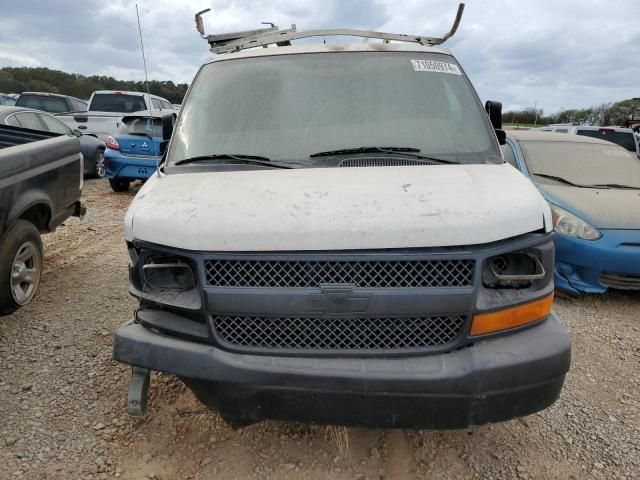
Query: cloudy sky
x,y
562,54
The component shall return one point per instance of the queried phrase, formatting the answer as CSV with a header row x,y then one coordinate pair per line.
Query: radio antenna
x,y
149,123
144,61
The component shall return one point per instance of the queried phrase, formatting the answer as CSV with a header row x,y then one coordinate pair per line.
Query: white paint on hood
x,y
337,208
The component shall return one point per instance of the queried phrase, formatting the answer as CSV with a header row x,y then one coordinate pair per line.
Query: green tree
x,y
24,79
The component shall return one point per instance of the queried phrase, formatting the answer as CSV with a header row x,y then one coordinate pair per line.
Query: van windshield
x,y
288,107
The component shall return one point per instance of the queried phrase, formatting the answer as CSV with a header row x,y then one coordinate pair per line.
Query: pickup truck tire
x,y
98,164
119,185
20,265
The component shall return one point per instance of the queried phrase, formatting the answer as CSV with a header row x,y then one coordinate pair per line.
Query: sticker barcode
x,y
435,66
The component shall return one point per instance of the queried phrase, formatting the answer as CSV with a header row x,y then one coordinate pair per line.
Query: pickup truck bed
x,y
40,186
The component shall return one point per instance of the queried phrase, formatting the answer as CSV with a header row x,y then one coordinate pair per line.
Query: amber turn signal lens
x,y
512,317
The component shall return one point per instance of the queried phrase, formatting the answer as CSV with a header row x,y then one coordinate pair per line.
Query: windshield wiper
x,y
248,159
409,151
567,182
615,185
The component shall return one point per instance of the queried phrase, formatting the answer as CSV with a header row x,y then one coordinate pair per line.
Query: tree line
x,y
25,79
604,114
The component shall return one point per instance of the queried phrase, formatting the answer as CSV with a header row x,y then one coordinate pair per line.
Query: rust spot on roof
x,y
336,47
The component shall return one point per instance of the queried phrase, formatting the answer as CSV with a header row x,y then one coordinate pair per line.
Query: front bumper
x,y
586,265
492,380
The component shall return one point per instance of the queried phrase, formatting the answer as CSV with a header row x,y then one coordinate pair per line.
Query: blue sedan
x,y
135,151
593,189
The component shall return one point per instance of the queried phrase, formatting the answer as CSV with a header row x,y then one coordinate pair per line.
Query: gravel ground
x,y
62,398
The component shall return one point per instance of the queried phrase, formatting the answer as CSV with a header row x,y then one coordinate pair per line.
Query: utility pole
x,y
535,110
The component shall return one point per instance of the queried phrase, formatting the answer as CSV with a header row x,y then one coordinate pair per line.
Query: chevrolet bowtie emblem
x,y
338,300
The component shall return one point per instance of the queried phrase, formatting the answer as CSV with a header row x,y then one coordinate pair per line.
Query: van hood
x,y
336,208
602,208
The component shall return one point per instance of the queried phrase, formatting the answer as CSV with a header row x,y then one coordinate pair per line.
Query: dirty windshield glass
x,y
582,163
287,107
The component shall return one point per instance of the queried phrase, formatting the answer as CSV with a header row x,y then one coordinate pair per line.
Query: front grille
x,y
383,162
621,281
359,334
362,274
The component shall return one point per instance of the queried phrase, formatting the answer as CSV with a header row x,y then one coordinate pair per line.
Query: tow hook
x,y
138,392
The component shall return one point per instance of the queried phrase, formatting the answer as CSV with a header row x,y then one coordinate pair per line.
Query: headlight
x,y
164,278
568,224
167,276
512,270
164,272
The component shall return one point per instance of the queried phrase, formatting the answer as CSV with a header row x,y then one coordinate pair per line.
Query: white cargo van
x,y
334,237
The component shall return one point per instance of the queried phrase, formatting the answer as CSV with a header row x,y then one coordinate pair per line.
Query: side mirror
x,y
77,133
494,110
168,121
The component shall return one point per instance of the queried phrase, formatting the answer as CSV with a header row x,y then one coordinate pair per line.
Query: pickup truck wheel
x,y
98,167
20,266
119,185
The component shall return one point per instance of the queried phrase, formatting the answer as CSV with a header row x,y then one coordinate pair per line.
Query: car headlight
x,y
566,223
163,278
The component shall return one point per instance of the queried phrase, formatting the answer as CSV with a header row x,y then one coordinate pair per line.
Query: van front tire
x,y
20,266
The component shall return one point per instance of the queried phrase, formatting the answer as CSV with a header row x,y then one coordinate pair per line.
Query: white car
x,y
334,237
106,109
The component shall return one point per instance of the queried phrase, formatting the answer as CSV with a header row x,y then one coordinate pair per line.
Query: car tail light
x,y
606,130
112,143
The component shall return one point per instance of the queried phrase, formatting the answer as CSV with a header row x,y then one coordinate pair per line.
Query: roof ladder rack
x,y
263,37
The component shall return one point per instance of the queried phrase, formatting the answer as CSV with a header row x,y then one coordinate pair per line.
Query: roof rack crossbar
x,y
236,41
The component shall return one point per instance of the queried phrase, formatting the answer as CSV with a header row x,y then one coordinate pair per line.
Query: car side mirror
x,y
77,133
168,121
494,110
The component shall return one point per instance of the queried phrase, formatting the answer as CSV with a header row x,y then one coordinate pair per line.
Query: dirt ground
x,y
63,400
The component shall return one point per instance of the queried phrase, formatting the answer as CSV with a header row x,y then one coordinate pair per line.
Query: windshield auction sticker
x,y
435,66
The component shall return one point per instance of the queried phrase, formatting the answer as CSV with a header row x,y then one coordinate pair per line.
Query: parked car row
x,y
593,188
91,148
106,109
94,121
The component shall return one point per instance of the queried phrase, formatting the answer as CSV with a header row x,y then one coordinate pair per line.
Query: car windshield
x,y
624,139
288,107
117,102
582,163
44,103
141,126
